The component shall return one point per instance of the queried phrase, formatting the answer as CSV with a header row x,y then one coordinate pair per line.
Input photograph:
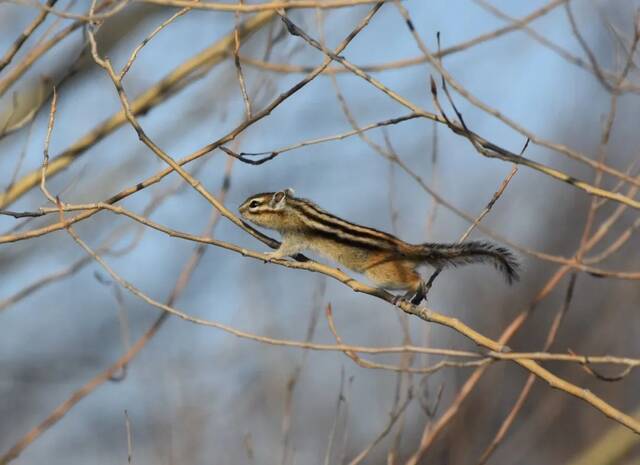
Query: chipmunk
x,y
383,258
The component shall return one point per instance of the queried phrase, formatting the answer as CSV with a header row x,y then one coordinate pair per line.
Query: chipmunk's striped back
x,y
317,220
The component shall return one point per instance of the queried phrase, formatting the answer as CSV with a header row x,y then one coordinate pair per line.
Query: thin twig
x,y
127,423
45,161
236,61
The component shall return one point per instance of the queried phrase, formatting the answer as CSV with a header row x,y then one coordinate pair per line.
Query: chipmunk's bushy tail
x,y
442,255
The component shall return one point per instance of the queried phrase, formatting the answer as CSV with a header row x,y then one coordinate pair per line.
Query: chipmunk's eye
x,y
254,204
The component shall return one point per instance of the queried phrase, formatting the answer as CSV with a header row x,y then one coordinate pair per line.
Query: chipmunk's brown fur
x,y
386,260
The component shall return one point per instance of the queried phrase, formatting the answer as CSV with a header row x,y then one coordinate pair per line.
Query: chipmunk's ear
x,y
279,199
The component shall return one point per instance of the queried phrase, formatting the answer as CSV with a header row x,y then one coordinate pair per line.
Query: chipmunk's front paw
x,y
270,256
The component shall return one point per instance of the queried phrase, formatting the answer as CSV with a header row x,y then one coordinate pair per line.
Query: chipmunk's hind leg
x,y
416,296
413,284
394,275
398,275
417,293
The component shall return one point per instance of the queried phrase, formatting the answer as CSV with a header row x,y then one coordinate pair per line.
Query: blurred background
x,y
564,76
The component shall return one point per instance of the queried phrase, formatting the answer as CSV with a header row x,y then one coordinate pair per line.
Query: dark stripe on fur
x,y
346,240
328,219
